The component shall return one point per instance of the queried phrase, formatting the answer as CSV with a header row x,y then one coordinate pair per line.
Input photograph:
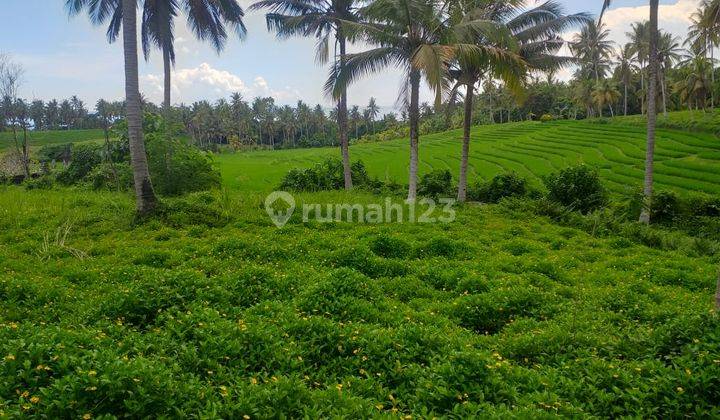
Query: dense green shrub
x,y
501,186
390,246
325,176
436,184
577,188
44,182
665,207
111,176
546,118
177,168
85,157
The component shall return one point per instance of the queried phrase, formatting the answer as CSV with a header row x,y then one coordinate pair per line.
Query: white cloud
x,y
206,82
673,18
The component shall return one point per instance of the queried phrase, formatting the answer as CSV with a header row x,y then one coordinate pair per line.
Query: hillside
x,y
685,161
41,138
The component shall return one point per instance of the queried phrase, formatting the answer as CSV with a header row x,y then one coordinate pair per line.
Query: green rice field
x,y
685,161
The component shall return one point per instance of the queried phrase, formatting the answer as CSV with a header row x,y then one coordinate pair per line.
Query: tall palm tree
x,y
624,71
704,35
532,43
593,48
146,201
694,85
355,118
651,100
406,34
640,40
668,54
373,110
323,19
605,93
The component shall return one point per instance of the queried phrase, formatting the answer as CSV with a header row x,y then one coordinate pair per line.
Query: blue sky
x,y
65,56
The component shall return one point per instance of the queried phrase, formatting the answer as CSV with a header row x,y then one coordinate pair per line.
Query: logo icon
x,y
280,206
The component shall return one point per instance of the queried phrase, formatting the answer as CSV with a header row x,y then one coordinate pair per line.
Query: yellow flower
x,y
87,416
92,373
680,389
10,357
35,399
246,417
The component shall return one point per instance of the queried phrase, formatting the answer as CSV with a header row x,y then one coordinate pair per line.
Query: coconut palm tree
x,y
624,71
639,39
694,85
704,35
99,11
373,110
532,43
593,48
406,34
355,118
322,19
652,98
605,93
668,54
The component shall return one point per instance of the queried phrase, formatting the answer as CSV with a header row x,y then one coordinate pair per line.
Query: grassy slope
x,y
41,138
497,314
686,161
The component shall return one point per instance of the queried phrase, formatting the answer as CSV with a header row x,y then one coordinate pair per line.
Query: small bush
x,y
106,176
390,247
325,176
501,186
44,182
577,188
546,118
437,183
84,158
665,207
177,168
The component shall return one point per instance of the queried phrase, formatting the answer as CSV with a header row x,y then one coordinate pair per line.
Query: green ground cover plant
x,y
211,311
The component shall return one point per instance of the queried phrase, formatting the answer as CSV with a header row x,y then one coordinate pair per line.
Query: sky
x,y
65,56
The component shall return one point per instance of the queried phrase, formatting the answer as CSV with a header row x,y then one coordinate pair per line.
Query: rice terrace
x,y
526,225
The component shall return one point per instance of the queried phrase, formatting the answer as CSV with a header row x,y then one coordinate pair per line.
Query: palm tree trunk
x,y
652,114
712,76
662,86
625,98
168,80
462,181
717,294
146,201
642,88
342,116
414,133
25,152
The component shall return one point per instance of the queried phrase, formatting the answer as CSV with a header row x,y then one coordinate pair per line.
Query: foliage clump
x,y
436,184
327,175
578,188
499,187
